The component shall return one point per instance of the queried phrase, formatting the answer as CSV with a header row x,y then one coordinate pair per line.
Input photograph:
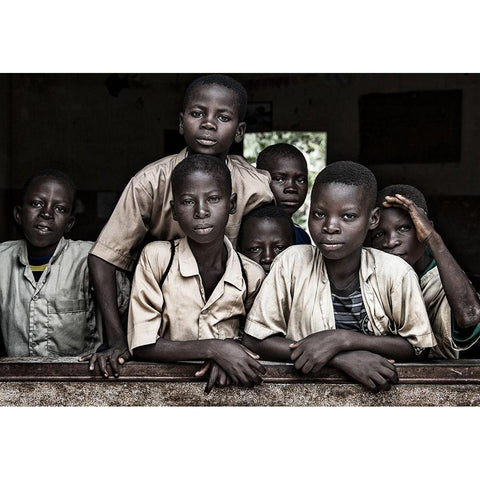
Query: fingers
x,y
113,359
212,378
93,359
102,364
205,367
249,352
85,357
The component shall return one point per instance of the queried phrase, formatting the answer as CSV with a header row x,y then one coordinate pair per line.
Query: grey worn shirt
x,y
55,316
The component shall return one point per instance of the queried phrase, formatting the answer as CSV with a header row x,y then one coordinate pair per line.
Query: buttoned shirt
x,y
179,310
56,315
144,207
295,299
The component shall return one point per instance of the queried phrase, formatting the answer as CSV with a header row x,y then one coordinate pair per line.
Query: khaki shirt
x,y
55,316
440,315
179,311
295,299
144,207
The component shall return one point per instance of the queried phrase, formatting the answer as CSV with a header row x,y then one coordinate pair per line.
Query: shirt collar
x,y
189,268
23,254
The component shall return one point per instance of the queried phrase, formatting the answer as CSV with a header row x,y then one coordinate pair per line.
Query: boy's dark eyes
x,y
404,228
186,201
196,113
377,235
279,248
36,203
278,179
350,216
301,180
224,118
214,198
253,249
318,215
60,209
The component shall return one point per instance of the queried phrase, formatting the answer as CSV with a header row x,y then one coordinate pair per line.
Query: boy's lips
x,y
327,245
43,229
203,229
206,141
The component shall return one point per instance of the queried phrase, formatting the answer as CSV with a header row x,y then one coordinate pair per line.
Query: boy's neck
x,y
37,252
209,254
342,272
422,264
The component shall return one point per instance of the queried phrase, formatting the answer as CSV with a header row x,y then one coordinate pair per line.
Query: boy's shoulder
x,y
297,257
242,166
162,165
384,264
251,267
11,247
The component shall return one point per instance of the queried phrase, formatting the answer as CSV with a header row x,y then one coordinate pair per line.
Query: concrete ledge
x,y
66,382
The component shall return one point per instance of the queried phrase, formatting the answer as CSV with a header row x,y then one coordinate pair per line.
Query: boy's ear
x,y
70,224
241,127
180,123
17,210
374,218
233,204
172,206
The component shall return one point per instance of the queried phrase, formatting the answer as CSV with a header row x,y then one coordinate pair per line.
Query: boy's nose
x,y
47,211
330,225
201,211
390,241
290,186
209,122
268,256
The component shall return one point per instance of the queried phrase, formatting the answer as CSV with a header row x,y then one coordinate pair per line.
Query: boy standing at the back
x,y
336,302
211,121
288,168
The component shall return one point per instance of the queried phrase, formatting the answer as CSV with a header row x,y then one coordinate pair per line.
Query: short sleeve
x,y
146,302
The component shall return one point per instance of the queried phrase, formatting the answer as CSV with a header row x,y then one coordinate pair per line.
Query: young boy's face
x,y
396,234
289,183
264,238
201,205
45,215
340,219
210,123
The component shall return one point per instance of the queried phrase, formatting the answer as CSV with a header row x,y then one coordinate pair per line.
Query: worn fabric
x,y
56,315
441,317
295,298
144,207
179,310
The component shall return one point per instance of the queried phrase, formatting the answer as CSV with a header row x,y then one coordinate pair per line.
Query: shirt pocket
x,y
68,331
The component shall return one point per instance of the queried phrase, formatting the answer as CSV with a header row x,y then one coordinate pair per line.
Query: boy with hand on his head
x,y
212,119
288,168
337,303
46,303
452,303
190,297
265,232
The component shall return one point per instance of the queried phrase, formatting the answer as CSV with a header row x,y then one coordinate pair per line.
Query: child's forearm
x,y
393,347
275,348
105,286
175,351
461,295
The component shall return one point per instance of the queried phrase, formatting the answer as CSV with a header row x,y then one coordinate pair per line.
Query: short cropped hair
x,y
272,153
54,173
350,173
267,211
408,191
210,164
224,81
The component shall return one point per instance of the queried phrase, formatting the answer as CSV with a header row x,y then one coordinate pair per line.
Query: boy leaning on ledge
x,y
190,296
336,303
452,303
46,302
212,119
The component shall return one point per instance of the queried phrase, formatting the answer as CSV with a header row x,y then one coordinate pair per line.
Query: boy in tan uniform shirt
x,y
337,303
211,121
190,297
452,303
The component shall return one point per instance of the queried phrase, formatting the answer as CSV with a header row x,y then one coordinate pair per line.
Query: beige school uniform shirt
x,y
55,316
144,207
295,299
440,315
179,310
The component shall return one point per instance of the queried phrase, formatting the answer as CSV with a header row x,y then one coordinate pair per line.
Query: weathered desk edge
x,y
460,372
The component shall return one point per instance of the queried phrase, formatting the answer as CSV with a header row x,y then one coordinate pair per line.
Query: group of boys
x,y
211,287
